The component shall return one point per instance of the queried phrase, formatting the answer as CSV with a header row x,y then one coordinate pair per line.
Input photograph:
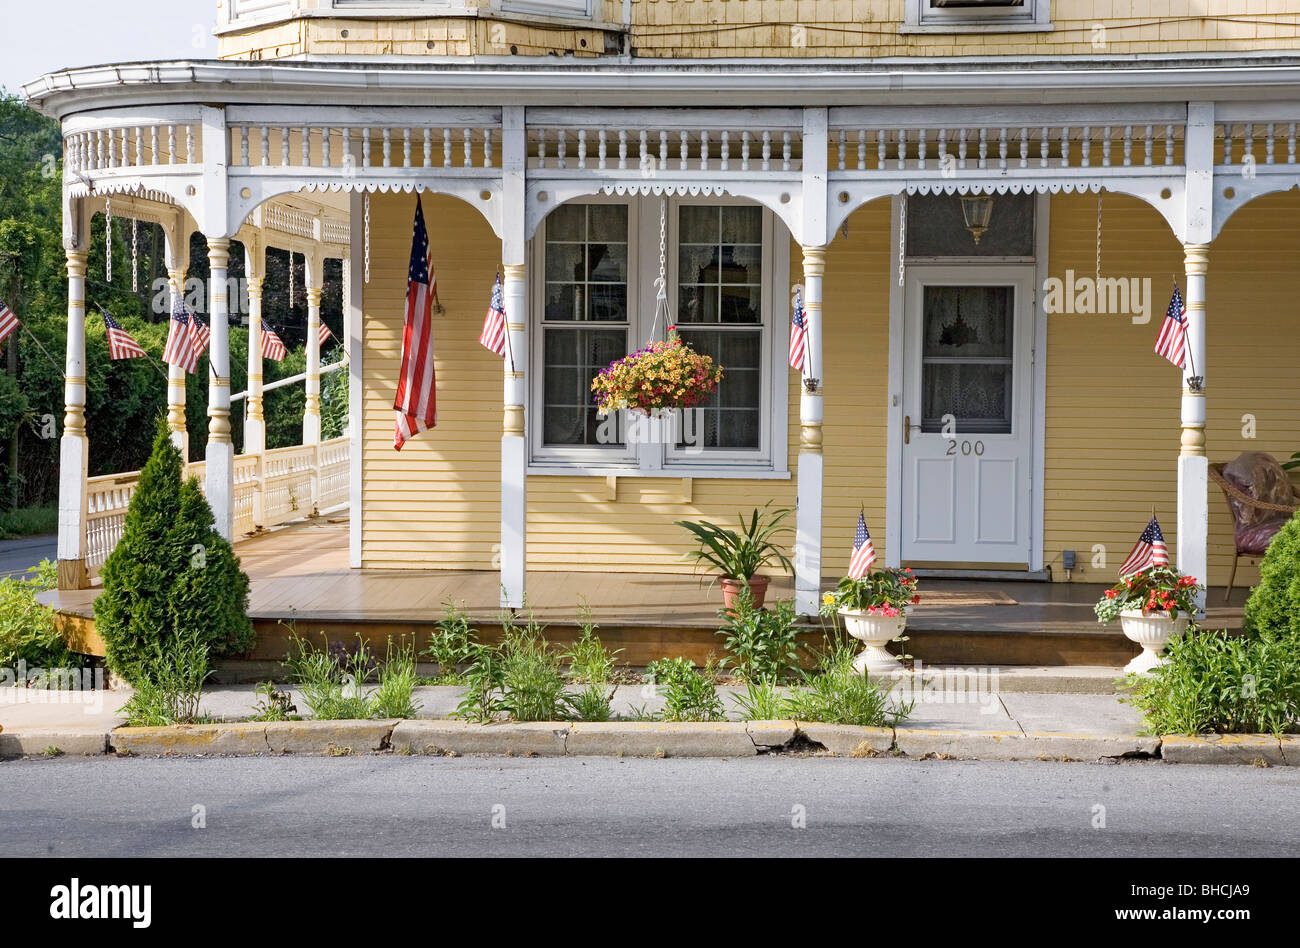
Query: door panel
x,y
967,405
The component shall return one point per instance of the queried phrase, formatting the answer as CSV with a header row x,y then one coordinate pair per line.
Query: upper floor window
x,y
956,16
549,7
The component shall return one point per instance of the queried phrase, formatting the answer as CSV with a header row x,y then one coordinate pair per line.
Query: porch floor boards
x,y
300,574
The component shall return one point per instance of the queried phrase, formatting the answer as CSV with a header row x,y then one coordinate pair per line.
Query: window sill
x,y
956,28
676,472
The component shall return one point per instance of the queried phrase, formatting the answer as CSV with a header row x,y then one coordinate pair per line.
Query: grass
x,y
333,681
28,522
170,690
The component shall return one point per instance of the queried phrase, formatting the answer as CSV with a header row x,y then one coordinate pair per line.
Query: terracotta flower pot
x,y
731,589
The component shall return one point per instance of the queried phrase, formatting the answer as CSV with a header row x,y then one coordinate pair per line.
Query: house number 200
x,y
966,448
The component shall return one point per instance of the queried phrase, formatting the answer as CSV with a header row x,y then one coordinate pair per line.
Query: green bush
x,y
762,643
171,574
837,694
332,681
1274,605
532,688
171,686
28,522
588,660
451,645
1213,682
690,694
27,630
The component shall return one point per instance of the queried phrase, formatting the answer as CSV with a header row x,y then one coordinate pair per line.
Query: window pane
x,y
969,322
564,262
698,224
608,222
733,414
741,304
977,395
568,222
697,304
742,225
572,357
607,263
742,264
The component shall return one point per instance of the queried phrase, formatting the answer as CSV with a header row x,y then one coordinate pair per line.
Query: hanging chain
x,y
367,249
135,255
108,240
1098,276
661,284
290,281
902,236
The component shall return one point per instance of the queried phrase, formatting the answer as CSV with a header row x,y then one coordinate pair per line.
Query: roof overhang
x,y
683,83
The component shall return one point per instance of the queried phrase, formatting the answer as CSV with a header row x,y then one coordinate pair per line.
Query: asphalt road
x,y
402,806
18,556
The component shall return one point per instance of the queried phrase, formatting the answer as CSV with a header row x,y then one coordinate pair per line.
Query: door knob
x,y
907,429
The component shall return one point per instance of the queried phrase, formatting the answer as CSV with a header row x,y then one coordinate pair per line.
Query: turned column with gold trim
x,y
74,446
808,517
220,455
1193,465
311,409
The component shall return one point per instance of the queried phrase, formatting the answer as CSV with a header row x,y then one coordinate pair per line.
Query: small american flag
x,y
325,334
1172,341
8,322
416,404
798,334
200,331
182,348
493,335
1149,551
864,552
120,343
272,345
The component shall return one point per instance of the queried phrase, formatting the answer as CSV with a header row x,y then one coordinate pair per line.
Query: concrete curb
x,y
1260,750
640,739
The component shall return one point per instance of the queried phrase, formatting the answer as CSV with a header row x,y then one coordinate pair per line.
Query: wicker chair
x,y
1260,500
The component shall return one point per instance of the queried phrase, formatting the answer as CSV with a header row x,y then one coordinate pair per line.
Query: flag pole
x,y
510,348
44,351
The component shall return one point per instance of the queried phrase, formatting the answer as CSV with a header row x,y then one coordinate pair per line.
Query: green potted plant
x,y
738,555
874,609
1153,606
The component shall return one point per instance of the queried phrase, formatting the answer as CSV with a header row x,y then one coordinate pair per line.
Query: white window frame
x,y
585,454
920,17
770,459
577,9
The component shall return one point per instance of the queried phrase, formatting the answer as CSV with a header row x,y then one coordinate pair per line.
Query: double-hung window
x,y
595,262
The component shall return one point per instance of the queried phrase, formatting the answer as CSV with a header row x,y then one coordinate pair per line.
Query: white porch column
x,y
1193,465
808,517
177,250
514,453
514,447
254,420
74,446
221,451
312,267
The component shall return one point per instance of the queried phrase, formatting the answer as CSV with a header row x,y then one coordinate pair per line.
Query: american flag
x,y
1149,551
120,343
8,322
864,552
798,334
182,348
416,404
200,331
1172,341
272,345
493,335
325,334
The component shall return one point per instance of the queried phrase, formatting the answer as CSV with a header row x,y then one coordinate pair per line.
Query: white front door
x,y
967,415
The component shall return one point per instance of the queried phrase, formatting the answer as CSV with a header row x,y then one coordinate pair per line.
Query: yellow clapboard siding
x,y
1112,405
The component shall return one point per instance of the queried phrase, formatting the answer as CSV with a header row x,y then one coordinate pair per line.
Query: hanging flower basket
x,y
663,375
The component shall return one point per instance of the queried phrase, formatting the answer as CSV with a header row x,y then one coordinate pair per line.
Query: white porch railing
x,y
271,488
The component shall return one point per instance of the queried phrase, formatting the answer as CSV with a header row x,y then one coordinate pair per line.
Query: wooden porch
x,y
300,575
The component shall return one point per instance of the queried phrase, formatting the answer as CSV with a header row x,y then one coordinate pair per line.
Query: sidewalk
x,y
996,725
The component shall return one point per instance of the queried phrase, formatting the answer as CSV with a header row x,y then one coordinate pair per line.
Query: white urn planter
x,y
874,631
1152,631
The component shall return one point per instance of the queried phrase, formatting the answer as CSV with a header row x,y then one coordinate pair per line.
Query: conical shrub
x,y
170,573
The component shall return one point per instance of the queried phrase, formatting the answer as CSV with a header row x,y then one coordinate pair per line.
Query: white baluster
x,y
1085,143
880,149
1169,144
726,149
562,149
285,142
1128,145
1227,144
388,147
1268,144
266,146
785,151
541,148
920,149
1024,147
467,136
902,149
862,149
663,149
1105,147
767,150
1065,147
984,148
843,143
406,148
1148,143
744,150
446,147
704,150
622,149
1043,147
582,148
1290,143
306,146
427,152
683,154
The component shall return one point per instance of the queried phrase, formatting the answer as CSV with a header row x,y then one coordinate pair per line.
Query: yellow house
x,y
985,206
